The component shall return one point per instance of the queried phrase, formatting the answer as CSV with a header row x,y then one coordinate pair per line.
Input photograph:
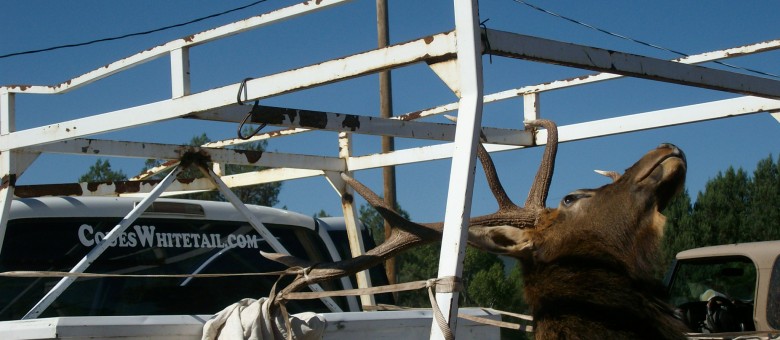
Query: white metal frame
x,y
455,56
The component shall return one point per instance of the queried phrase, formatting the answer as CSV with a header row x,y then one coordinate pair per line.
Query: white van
x,y
171,237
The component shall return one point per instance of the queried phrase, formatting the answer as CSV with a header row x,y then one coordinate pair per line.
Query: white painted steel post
x,y
101,247
531,106
453,246
260,228
180,72
354,236
7,179
7,173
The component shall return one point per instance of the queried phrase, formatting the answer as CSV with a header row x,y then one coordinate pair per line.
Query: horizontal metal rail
x,y
340,122
555,52
140,188
188,41
174,152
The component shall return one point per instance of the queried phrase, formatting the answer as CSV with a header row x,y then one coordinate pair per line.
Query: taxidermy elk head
x,y
587,264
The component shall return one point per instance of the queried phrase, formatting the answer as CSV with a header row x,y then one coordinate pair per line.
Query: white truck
x,y
51,234
728,291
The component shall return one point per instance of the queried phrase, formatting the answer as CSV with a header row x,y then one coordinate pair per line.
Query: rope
x,y
32,273
437,315
399,287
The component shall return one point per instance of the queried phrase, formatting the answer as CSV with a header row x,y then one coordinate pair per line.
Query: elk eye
x,y
569,199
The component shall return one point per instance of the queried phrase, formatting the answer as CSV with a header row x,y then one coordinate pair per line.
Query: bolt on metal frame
x,y
454,56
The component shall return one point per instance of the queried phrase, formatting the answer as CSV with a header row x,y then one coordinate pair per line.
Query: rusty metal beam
x,y
178,187
100,147
555,52
115,188
339,122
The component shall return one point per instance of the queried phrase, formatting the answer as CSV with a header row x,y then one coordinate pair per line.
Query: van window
x,y
773,303
149,246
731,281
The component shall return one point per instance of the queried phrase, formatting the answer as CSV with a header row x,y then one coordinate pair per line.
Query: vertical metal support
x,y
260,227
7,112
218,168
7,173
7,183
531,106
180,72
354,236
453,246
101,247
386,111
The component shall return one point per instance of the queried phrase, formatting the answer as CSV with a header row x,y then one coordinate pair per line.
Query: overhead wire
x,y
211,16
617,35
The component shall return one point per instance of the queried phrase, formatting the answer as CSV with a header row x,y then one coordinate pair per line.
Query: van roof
x,y
162,208
762,253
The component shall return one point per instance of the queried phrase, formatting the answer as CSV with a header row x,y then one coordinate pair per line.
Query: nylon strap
x,y
27,273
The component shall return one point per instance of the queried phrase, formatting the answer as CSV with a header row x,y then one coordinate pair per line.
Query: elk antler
x,y
406,234
509,213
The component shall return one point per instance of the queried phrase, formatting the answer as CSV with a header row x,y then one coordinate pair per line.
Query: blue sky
x,y
688,26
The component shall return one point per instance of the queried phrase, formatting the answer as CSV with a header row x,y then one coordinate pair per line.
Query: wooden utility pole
x,y
386,111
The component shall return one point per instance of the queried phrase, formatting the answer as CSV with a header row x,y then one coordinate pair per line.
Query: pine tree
x,y
101,172
733,208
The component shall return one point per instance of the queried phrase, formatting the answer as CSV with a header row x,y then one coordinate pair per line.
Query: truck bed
x,y
407,324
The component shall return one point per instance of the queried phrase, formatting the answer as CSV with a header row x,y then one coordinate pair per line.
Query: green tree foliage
x,y
262,194
762,217
321,213
101,172
734,207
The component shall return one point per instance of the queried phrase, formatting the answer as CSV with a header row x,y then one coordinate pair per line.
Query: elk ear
x,y
502,240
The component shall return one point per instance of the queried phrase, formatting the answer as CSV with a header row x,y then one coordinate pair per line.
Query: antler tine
x,y
389,213
541,186
504,202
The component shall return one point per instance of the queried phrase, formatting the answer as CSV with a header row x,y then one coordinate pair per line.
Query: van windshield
x,y
149,246
715,294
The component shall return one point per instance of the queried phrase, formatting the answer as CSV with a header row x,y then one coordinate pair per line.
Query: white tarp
x,y
249,319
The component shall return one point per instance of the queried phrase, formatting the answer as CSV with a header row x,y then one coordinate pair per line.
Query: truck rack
x,y
455,56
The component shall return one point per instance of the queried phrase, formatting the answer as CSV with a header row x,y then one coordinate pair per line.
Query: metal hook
x,y
242,88
487,41
252,113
